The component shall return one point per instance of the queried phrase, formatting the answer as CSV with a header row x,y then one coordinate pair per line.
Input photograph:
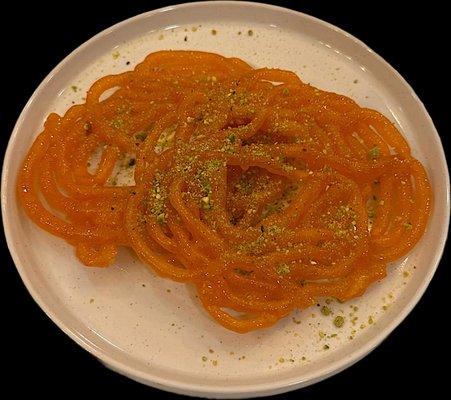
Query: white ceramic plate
x,y
154,330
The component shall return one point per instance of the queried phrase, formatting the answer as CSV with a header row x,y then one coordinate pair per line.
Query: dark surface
x,y
51,364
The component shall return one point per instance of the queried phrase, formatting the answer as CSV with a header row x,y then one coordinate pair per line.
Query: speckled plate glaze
x,y
154,330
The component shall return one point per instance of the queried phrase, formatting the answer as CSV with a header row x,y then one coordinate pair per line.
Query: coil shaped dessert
x,y
262,191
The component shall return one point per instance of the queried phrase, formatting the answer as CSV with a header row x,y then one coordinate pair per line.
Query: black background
x,y
38,35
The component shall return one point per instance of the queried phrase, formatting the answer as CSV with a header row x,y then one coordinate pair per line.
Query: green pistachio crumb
x,y
325,310
205,203
161,218
214,165
374,153
283,269
117,123
339,321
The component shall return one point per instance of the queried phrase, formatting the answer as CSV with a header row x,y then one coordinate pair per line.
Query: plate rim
x,y
241,390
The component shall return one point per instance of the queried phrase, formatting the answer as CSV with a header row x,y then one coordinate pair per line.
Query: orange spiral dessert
x,y
262,191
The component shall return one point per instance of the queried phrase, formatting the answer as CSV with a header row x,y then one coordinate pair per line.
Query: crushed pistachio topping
x,y
344,223
256,246
117,123
229,146
161,218
374,153
203,182
157,199
282,203
325,310
339,321
214,165
283,269
258,151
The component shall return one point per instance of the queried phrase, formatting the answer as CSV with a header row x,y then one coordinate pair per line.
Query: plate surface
x,y
154,330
